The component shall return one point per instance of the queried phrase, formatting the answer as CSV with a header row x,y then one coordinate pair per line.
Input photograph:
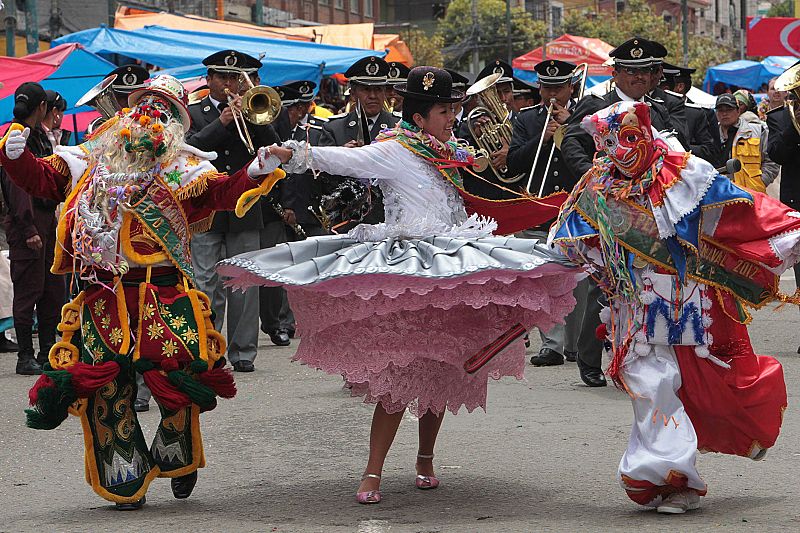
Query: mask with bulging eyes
x,y
624,133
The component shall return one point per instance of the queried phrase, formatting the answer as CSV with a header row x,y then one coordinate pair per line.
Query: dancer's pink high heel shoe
x,y
426,482
370,496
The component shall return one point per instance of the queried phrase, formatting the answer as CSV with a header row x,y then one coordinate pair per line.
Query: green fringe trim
x,y
197,392
52,402
199,366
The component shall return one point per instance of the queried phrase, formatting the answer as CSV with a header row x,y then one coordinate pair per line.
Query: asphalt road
x,y
286,455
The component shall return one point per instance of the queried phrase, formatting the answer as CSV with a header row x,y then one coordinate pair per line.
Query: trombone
x,y
558,136
261,105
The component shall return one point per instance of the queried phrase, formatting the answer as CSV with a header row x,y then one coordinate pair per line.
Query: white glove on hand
x,y
15,143
264,163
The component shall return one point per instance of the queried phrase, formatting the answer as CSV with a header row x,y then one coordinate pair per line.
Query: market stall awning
x,y
572,48
361,35
750,75
68,69
168,49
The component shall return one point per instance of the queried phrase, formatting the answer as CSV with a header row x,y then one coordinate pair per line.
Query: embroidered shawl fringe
x,y
202,225
197,186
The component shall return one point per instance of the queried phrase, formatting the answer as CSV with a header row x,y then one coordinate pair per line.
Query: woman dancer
x,y
398,308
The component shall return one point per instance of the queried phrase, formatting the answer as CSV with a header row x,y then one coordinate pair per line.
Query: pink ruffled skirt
x,y
398,318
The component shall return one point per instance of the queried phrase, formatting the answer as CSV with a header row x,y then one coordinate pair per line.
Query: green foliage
x,y
638,19
460,36
427,50
784,9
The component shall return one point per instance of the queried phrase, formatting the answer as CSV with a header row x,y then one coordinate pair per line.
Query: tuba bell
x,y
496,132
790,81
101,97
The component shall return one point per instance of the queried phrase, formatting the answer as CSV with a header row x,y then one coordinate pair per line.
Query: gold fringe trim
x,y
204,224
58,164
197,186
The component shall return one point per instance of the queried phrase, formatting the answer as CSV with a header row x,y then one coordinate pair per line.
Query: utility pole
x,y
475,38
508,30
55,19
11,28
260,12
743,25
112,12
685,29
31,26
220,9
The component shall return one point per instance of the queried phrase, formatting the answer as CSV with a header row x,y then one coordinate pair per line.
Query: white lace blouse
x,y
418,199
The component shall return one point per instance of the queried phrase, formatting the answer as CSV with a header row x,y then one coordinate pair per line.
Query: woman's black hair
x,y
27,98
413,105
55,101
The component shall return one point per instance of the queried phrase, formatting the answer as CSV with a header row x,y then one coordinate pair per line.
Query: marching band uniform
x,y
561,340
139,310
341,129
634,53
129,78
680,251
226,235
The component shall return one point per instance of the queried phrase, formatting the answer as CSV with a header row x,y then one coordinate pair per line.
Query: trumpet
x,y
260,106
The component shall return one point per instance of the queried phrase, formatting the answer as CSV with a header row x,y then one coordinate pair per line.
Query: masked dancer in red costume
x,y
133,194
681,253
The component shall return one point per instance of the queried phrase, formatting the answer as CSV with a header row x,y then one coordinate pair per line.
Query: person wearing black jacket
x,y
702,142
555,85
367,77
213,129
31,232
783,147
637,62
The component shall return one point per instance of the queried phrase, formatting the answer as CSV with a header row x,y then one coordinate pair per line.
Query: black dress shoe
x,y
547,357
592,376
131,506
570,356
28,367
280,338
7,345
141,405
243,366
290,332
182,486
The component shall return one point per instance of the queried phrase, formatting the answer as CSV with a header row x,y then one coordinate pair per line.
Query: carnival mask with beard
x,y
623,132
141,137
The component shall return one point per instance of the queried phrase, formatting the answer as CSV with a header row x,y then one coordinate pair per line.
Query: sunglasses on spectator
x,y
632,71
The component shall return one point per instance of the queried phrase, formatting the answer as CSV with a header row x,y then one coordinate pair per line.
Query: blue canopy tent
x,y
750,75
284,60
75,75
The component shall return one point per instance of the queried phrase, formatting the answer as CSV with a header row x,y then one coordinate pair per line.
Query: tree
x,y
460,36
426,50
784,9
639,19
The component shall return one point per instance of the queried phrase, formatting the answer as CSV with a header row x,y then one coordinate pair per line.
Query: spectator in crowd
x,y
31,230
51,124
746,141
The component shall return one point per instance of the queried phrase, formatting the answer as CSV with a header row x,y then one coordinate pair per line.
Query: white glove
x,y
15,143
264,163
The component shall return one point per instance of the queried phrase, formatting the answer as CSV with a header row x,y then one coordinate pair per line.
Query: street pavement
x,y
286,455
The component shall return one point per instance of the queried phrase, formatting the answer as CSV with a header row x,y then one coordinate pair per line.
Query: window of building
x,y
340,4
324,2
354,6
555,14
367,8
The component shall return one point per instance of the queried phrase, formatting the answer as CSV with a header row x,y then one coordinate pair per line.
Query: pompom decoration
x,y
157,127
601,332
647,297
125,133
169,364
144,120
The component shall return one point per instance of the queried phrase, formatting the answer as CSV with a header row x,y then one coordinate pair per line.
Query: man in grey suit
x,y
213,129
